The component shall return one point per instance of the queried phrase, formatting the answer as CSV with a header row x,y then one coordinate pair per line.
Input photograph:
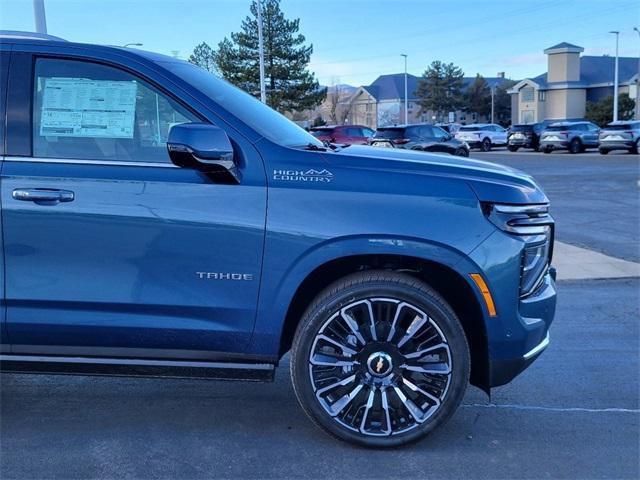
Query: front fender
x,y
276,296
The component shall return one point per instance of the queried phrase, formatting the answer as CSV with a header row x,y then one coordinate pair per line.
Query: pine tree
x,y
290,86
478,97
204,56
440,89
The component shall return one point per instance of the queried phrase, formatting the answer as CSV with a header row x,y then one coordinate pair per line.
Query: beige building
x,y
571,80
382,103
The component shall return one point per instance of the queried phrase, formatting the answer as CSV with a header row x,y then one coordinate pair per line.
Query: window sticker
x,y
79,107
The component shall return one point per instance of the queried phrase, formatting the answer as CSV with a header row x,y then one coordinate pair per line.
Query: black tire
x,y
547,149
461,152
392,420
511,148
636,149
603,151
485,146
575,146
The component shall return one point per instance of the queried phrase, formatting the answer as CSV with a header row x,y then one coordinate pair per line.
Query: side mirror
x,y
204,147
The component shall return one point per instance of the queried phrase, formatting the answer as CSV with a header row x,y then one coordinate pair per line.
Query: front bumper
x,y
536,315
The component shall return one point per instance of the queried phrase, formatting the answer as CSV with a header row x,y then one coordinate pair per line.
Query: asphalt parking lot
x,y
574,413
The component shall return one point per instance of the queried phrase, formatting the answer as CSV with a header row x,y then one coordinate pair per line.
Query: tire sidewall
x,y
318,314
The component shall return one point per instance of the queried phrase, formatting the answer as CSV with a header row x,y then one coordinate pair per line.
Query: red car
x,y
349,134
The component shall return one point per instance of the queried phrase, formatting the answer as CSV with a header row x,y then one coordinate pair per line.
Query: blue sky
x,y
357,40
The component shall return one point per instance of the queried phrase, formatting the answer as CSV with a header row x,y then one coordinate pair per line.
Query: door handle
x,y
43,196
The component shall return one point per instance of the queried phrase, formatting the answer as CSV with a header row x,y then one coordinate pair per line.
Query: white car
x,y
483,135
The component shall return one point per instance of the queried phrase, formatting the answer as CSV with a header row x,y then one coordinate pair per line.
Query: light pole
x,y
406,105
492,102
638,82
131,45
39,16
615,80
263,92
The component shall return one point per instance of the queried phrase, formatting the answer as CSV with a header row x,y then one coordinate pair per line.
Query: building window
x,y
542,96
527,94
368,107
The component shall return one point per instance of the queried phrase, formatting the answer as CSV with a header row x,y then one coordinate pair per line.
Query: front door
x,y
112,250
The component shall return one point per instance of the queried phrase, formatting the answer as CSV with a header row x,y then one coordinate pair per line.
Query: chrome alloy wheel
x,y
380,366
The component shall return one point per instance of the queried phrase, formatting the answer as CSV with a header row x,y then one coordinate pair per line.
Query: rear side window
x,y
84,110
322,132
352,132
390,133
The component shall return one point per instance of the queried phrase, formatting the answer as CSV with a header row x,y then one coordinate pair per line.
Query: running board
x,y
125,367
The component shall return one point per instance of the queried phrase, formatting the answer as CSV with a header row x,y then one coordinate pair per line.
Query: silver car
x,y
573,136
622,135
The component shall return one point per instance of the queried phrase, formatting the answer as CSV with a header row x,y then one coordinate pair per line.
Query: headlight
x,y
534,225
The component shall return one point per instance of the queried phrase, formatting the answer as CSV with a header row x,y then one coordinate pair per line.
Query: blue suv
x,y
157,221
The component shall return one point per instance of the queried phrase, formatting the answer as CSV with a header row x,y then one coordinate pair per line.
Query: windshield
x,y
557,128
258,116
469,129
521,128
390,133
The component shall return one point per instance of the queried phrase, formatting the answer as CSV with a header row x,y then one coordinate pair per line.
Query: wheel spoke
x,y
417,389
320,359
392,331
385,407
353,325
423,352
372,321
343,401
416,324
429,368
339,383
413,409
365,415
345,350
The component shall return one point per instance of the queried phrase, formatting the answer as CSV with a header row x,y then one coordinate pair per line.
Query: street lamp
x,y
132,45
638,82
39,16
406,106
615,80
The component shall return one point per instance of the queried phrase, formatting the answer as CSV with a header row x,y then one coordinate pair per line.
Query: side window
x,y
367,132
88,111
426,132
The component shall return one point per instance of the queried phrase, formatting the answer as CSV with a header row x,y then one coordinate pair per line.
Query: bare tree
x,y
337,102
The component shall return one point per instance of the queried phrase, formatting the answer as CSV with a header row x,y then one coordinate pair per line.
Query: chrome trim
x,y
500,208
75,161
538,348
135,361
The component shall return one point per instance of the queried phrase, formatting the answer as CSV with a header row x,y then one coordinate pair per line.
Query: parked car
x,y
525,136
343,134
483,135
575,137
423,137
621,135
227,236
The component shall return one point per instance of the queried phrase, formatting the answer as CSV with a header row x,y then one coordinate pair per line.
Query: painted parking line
x,y
551,409
576,263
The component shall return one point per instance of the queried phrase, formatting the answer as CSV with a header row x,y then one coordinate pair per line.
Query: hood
x,y
491,182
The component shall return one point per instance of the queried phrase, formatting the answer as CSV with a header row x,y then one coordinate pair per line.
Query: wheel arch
x,y
451,284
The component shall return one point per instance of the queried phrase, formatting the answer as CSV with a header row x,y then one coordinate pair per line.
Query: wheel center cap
x,y
379,364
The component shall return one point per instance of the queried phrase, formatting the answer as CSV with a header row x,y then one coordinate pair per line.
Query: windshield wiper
x,y
314,147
